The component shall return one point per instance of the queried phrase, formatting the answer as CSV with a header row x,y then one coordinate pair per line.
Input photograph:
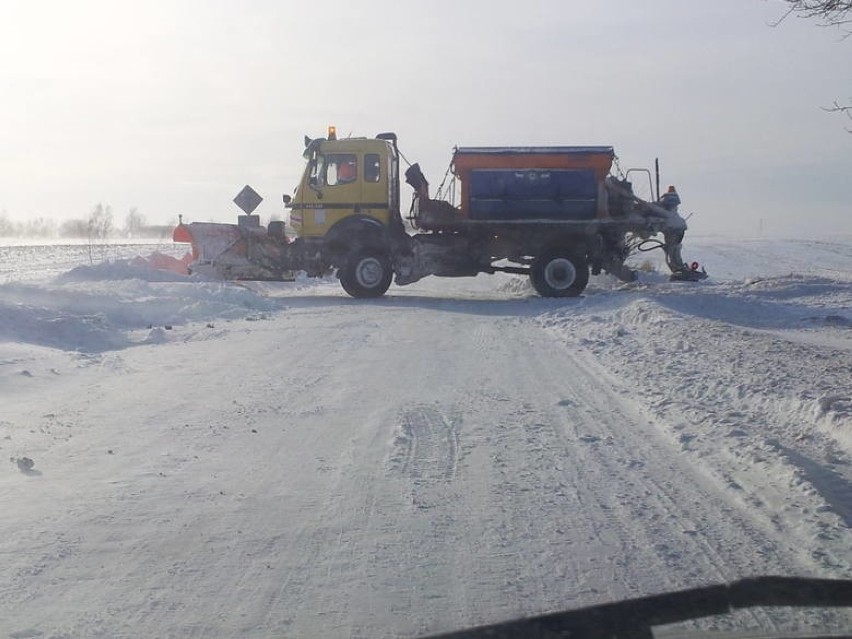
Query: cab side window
x,y
372,167
341,168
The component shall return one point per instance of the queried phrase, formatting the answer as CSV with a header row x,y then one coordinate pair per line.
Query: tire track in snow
x,y
676,527
428,444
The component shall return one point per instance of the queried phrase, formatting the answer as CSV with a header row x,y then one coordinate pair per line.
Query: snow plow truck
x,y
554,213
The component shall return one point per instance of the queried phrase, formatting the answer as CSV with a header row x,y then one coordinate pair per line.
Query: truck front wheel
x,y
559,274
366,273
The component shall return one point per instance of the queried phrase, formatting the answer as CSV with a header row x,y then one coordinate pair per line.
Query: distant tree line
x,y
98,226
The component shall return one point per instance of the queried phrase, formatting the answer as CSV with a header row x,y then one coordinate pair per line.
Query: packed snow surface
x,y
191,458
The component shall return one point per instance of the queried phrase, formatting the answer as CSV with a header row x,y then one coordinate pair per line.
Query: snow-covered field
x,y
185,458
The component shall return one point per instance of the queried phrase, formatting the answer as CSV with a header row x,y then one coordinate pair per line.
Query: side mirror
x,y
287,199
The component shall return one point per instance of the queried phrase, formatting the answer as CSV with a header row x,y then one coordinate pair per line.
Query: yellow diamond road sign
x,y
247,199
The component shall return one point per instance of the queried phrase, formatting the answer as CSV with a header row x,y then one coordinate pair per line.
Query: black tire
x,y
559,274
366,273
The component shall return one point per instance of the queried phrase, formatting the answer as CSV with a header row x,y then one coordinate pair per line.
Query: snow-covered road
x,y
282,461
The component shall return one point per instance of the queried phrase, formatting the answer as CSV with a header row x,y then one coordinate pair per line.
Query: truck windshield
x,y
317,168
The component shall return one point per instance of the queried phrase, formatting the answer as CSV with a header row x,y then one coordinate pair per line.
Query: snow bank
x,y
113,305
751,378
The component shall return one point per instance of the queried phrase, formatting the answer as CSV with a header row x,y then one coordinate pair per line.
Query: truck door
x,y
336,192
376,193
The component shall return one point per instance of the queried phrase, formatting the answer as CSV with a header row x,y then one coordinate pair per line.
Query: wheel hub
x,y
560,273
369,272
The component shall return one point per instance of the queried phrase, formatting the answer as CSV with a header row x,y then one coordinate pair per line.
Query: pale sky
x,y
172,106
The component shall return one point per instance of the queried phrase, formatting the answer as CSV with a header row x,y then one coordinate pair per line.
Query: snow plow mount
x,y
681,271
664,218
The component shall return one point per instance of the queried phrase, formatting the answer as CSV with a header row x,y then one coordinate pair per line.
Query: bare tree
x,y
841,108
100,222
134,222
828,12
74,228
7,227
99,228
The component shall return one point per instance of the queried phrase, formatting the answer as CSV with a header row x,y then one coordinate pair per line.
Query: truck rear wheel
x,y
559,274
366,273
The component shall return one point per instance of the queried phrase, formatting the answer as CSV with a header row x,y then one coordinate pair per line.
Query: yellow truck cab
x,y
345,179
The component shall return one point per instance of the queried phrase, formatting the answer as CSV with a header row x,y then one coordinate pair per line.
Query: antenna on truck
x,y
657,171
